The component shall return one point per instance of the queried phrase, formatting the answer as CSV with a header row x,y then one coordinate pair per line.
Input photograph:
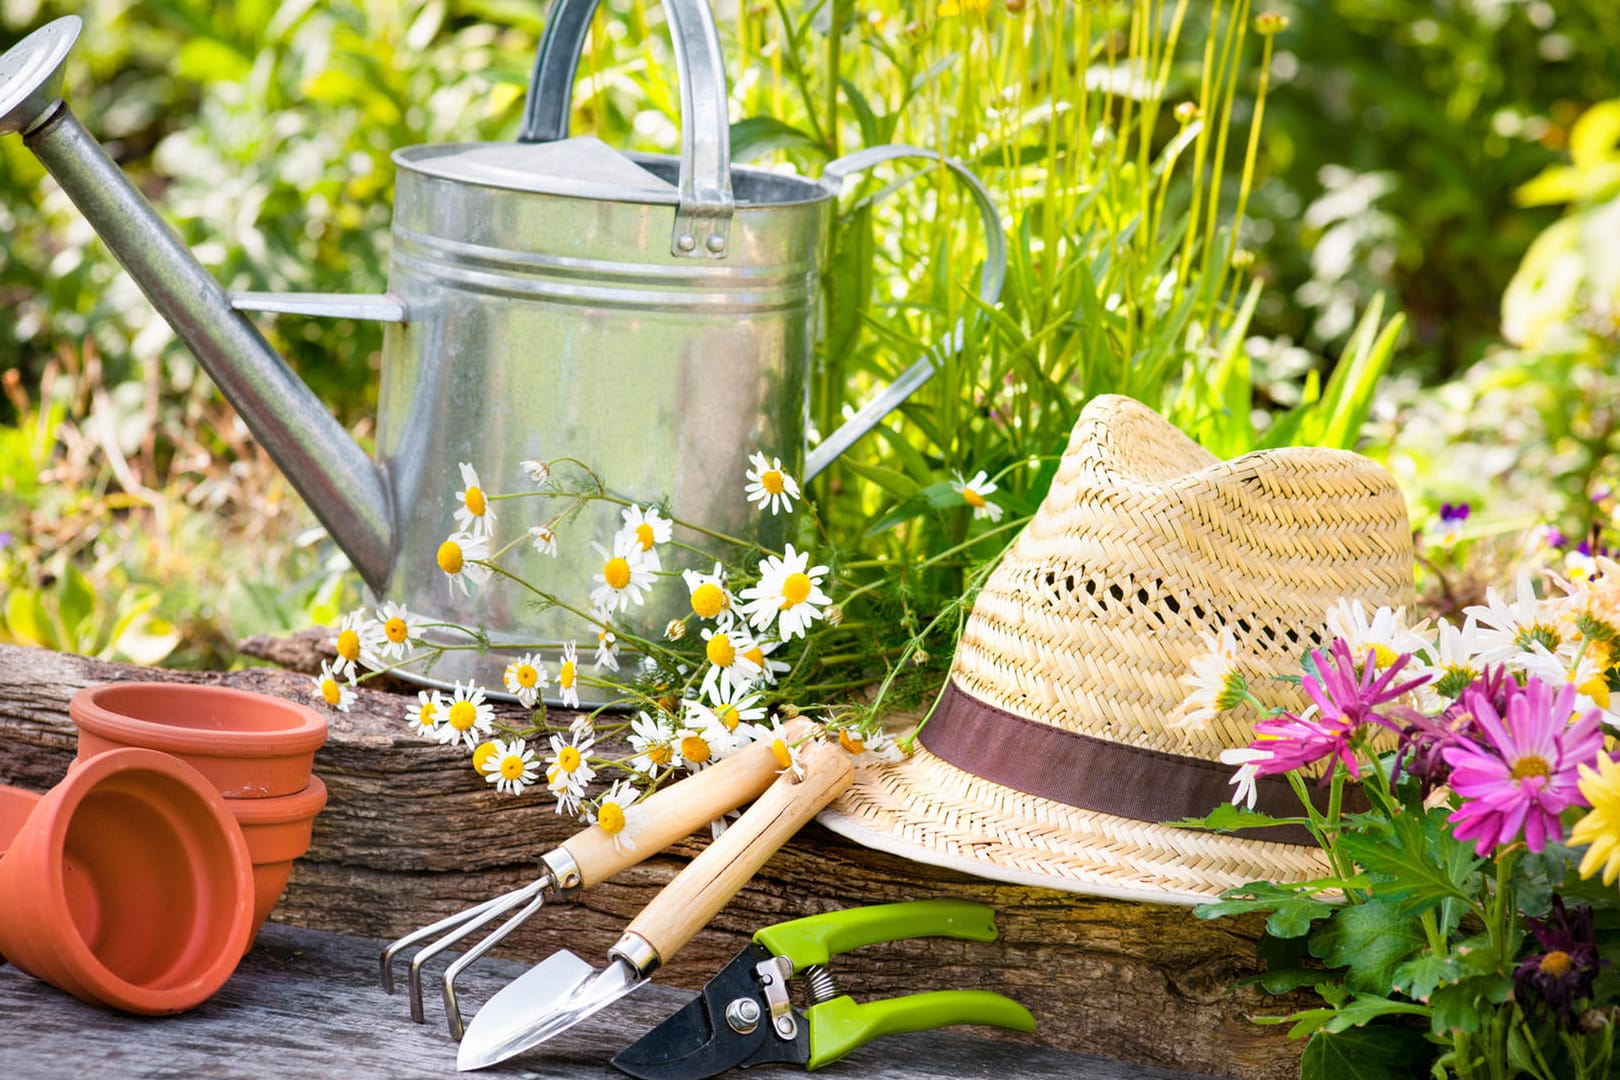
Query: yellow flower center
x,y
729,716
644,536
1596,688
1383,655
972,498
396,630
568,759
482,756
720,651
511,767
427,715
450,557
659,754
527,676
331,691
1557,963
475,501
565,675
784,756
771,481
795,590
708,600
757,655
1531,765
616,573
610,818
850,742
462,715
348,645
695,749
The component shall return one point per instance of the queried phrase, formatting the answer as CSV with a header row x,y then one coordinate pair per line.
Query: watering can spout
x,y
336,478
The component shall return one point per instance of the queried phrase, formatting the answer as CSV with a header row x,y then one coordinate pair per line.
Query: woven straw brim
x,y
928,810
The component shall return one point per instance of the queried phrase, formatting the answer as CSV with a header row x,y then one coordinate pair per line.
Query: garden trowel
x,y
563,990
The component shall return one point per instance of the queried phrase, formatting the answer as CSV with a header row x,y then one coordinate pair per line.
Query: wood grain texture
x,y
411,834
305,1005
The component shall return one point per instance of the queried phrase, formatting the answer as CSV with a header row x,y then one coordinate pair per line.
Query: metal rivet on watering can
x,y
551,262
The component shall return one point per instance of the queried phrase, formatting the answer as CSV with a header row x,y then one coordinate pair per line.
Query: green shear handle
x,y
815,939
840,1025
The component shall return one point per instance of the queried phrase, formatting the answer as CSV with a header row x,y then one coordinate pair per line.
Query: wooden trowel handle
x,y
681,808
697,894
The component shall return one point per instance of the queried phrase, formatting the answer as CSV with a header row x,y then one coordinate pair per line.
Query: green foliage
x,y
1380,1052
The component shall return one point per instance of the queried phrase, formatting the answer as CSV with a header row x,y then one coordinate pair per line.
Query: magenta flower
x,y
1344,699
1524,775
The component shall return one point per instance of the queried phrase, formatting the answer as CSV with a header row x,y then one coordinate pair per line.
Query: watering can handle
x,y
703,218
991,276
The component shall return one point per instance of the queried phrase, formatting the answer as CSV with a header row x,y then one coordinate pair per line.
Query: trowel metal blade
x,y
544,1001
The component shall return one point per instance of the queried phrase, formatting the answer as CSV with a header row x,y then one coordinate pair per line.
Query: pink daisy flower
x,y
1344,700
1524,775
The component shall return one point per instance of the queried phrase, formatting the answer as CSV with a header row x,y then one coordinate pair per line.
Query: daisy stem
x,y
691,526
590,472
644,645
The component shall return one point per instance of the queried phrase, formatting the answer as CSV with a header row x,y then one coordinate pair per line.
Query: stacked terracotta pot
x,y
141,880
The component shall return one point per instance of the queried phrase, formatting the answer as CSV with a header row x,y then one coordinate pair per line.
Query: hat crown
x,y
1147,545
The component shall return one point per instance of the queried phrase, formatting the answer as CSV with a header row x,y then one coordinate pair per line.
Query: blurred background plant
x,y
1217,209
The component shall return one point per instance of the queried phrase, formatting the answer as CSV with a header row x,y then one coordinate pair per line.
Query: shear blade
x,y
697,1042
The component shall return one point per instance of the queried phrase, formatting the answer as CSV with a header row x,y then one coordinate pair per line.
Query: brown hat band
x,y
1095,774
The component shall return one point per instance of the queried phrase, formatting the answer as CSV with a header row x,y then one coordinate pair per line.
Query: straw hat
x,y
1061,743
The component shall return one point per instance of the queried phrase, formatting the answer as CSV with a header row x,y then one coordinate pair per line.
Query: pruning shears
x,y
744,1016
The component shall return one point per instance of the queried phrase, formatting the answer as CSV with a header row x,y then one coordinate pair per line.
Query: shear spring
x,y
820,984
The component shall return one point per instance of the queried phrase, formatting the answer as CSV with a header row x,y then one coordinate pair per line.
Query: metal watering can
x,y
651,315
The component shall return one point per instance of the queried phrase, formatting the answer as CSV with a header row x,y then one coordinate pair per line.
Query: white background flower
x,y
467,716
646,528
525,677
544,540
624,579
787,594
512,767
424,719
475,515
769,486
976,493
331,691
458,557
568,676
619,814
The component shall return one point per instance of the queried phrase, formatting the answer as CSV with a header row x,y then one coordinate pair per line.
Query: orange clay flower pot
x,y
15,806
277,832
129,885
251,746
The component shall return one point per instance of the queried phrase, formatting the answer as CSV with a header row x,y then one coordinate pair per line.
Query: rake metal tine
x,y
416,936
488,913
452,1012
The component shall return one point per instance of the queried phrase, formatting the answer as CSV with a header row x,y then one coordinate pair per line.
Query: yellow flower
x,y
1600,828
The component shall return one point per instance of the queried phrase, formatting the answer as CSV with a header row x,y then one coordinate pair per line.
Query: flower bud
x,y
1186,112
1268,23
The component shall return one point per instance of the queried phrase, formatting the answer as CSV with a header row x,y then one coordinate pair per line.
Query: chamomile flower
x,y
544,540
1585,675
782,748
537,471
737,709
484,755
1508,629
1453,660
1217,684
607,650
618,814
568,676
511,767
467,717
349,643
460,557
1248,759
769,486
1384,634
699,745
976,493
624,579
729,667
331,691
788,594
390,635
424,719
709,597
568,770
653,743
645,528
475,516
525,677
760,655
878,748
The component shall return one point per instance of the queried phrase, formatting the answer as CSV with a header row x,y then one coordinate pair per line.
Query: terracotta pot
x,y
252,746
129,885
15,806
277,832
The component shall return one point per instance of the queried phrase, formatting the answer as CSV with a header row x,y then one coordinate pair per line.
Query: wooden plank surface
x,y
411,834
306,1005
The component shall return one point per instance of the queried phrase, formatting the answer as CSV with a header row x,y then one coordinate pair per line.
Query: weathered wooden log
x,y
411,834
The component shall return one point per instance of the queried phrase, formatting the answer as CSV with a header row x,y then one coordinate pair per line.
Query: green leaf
x,y
1370,940
206,60
756,136
1418,978
1291,910
895,483
1463,1005
1284,980
1227,817
1384,1052
1415,863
